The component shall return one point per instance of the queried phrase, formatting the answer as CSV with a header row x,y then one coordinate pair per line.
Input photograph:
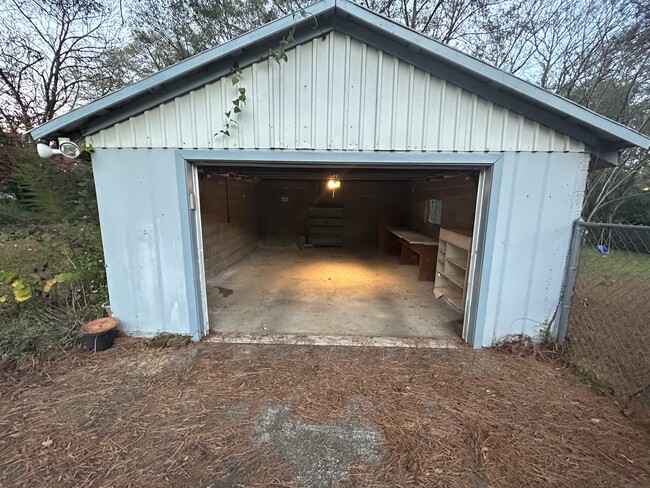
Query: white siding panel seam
x,y
425,112
147,123
270,101
471,135
132,126
394,98
282,106
488,126
179,128
314,85
330,91
507,241
362,97
379,98
458,130
410,101
298,77
441,112
504,132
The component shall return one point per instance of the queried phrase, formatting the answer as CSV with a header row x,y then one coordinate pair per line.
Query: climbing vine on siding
x,y
238,103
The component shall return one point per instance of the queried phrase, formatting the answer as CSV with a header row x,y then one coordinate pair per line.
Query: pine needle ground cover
x,y
258,416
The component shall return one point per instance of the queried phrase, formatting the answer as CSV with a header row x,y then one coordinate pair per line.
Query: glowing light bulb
x,y
333,184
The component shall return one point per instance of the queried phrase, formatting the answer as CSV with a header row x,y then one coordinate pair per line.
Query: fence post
x,y
570,274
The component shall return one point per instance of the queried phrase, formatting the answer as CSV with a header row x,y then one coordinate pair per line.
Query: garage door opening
x,y
319,252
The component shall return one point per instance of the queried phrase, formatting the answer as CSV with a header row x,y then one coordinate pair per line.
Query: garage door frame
x,y
489,165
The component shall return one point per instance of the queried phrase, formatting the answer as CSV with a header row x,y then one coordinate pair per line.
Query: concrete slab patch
x,y
319,453
328,340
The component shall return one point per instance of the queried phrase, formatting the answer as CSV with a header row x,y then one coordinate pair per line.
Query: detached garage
x,y
369,185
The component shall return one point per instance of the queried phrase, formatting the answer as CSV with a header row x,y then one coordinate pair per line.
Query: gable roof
x,y
600,133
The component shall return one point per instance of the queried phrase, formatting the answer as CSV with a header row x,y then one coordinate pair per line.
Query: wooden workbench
x,y
417,248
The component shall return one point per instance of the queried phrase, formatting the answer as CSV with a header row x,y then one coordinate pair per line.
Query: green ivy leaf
x,y
7,277
242,90
228,113
235,102
234,80
49,284
65,277
225,132
237,110
22,290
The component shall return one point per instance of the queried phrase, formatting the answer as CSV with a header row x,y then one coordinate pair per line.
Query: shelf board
x,y
455,303
454,280
457,263
457,249
452,296
460,239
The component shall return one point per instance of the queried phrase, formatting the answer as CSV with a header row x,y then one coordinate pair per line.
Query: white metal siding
x,y
336,93
539,197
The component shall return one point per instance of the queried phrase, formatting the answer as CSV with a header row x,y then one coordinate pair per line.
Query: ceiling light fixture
x,y
333,184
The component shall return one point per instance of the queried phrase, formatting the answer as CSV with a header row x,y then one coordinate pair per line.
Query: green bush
x,y
48,228
12,213
47,322
54,193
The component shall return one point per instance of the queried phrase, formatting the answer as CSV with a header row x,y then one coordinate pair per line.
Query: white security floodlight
x,y
67,149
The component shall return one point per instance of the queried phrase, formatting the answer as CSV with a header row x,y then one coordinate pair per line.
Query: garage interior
x,y
348,252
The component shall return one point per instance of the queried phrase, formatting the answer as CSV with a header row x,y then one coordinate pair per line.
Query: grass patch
x,y
166,339
592,379
618,265
38,332
24,251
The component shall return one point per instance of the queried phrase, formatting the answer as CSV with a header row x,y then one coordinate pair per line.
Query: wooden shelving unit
x,y
452,266
325,226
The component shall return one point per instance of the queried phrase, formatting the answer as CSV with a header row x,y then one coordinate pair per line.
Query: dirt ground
x,y
217,415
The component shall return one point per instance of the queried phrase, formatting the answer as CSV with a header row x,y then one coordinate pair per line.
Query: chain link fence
x,y
606,323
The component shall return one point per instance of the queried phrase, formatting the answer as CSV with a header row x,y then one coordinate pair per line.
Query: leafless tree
x,y
448,21
50,51
165,32
594,52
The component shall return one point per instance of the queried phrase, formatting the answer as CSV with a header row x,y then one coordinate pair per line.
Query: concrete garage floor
x,y
327,292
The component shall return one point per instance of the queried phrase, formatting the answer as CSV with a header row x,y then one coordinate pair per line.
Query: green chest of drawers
x,y
325,226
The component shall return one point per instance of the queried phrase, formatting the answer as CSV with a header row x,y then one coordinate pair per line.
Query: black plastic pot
x,y
99,342
99,335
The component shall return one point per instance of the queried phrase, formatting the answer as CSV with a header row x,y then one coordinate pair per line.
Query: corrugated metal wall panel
x,y
146,259
336,93
540,196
